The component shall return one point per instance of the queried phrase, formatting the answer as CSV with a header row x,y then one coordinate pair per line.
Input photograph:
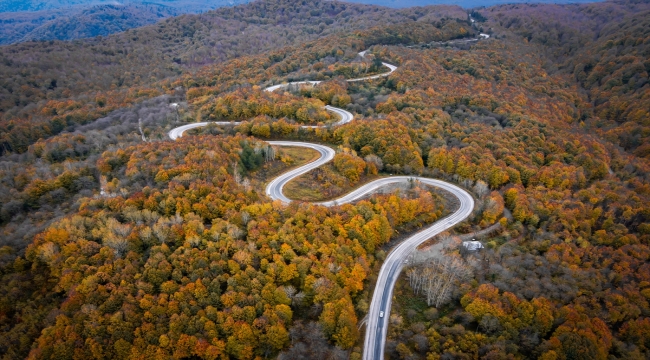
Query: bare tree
x,y
490,323
269,153
290,291
141,131
246,184
258,148
117,243
235,232
150,216
480,188
298,298
435,279
133,215
235,173
372,158
161,230
245,216
194,241
121,230
102,185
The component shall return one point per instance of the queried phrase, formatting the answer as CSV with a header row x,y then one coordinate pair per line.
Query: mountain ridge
x,y
77,20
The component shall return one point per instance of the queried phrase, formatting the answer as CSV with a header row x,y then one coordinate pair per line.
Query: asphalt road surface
x,y
345,115
381,300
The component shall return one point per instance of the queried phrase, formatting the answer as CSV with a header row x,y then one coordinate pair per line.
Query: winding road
x,y
381,300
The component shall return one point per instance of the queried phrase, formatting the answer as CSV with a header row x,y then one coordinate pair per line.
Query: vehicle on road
x,y
375,338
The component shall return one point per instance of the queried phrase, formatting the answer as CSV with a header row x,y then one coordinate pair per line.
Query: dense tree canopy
x,y
119,243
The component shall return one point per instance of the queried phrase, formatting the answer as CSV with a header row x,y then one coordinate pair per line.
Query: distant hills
x,y
68,20
182,5
78,23
39,20
463,3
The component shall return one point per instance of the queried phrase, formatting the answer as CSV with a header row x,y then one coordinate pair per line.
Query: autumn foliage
x,y
170,249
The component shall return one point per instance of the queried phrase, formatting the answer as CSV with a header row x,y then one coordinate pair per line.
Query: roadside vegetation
x,y
346,172
119,243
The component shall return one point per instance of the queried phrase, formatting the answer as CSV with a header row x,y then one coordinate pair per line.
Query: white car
x,y
381,314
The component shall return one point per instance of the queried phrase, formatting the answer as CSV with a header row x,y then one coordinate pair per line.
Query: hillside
x,y
118,242
110,68
186,6
29,5
69,20
73,24
468,4
603,47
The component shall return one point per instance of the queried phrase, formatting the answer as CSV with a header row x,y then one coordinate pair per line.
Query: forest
x,y
40,95
26,20
604,48
120,243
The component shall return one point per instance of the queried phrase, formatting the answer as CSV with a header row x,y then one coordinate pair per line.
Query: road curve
x,y
345,115
175,133
381,300
391,68
377,327
382,297
274,188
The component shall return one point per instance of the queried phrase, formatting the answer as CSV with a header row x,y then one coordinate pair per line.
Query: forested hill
x,y
463,3
85,79
67,20
75,23
119,243
605,48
